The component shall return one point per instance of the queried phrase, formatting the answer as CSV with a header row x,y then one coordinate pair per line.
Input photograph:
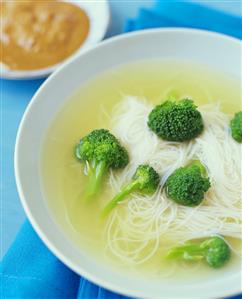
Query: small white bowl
x,y
218,51
99,16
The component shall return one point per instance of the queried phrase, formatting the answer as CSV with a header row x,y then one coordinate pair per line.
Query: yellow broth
x,y
89,108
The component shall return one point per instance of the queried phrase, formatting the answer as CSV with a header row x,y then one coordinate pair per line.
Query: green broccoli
x,y
145,181
187,185
100,150
176,121
214,250
236,126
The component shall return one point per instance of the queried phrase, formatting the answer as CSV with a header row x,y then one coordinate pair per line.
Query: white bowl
x,y
218,51
99,15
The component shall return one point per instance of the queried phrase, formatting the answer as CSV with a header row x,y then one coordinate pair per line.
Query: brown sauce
x,y
37,34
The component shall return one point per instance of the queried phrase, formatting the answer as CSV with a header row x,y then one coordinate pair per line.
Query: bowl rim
x,y
37,227
6,73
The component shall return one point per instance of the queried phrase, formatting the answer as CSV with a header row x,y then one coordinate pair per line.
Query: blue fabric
x,y
14,97
29,270
189,15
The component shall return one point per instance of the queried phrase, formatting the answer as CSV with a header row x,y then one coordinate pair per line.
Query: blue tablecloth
x,y
29,269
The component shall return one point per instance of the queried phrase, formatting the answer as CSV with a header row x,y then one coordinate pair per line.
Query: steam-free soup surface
x,y
89,108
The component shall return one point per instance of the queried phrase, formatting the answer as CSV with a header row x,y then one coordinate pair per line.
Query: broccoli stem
x,y
95,172
120,197
188,252
215,251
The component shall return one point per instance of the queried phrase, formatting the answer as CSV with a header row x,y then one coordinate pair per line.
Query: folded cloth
x,y
29,270
188,15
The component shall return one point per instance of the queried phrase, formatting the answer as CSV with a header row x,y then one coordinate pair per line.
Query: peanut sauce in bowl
x,y
38,34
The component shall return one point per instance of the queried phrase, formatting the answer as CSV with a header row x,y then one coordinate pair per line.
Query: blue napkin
x,y
29,270
188,15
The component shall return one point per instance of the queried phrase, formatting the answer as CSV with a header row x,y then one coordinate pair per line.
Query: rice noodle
x,y
141,223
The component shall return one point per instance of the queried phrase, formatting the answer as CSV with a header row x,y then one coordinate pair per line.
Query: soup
x,y
139,232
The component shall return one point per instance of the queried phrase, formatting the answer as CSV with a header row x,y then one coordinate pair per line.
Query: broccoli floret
x,y
236,126
187,185
176,121
214,250
100,150
145,181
